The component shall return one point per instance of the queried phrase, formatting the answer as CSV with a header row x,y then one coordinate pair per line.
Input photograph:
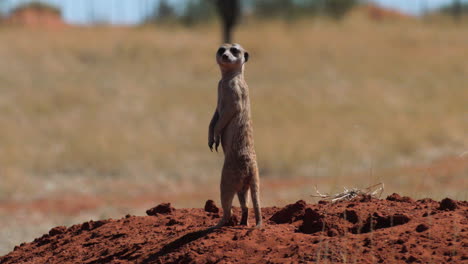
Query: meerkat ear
x,y
246,56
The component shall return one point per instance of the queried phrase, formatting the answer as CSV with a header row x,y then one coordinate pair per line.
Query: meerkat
x,y
231,126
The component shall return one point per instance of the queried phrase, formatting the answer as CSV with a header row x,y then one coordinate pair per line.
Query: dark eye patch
x,y
234,51
221,51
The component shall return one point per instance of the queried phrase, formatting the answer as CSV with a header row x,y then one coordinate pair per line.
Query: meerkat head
x,y
231,56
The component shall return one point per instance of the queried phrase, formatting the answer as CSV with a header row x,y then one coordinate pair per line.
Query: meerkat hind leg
x,y
255,193
243,200
227,195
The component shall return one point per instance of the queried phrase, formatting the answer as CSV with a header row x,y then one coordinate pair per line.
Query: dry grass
x,y
135,103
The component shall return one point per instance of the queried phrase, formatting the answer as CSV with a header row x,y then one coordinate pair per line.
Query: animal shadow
x,y
178,243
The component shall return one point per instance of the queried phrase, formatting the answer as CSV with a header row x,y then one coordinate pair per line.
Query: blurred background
x,y
105,105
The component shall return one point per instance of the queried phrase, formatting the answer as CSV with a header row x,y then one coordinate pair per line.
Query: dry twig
x,y
348,194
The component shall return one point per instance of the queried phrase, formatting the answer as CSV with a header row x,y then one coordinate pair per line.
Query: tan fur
x,y
232,126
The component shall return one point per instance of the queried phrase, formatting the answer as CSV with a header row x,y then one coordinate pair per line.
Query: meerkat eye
x,y
221,51
234,51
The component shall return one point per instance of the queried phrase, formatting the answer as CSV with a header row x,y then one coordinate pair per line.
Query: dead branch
x,y
348,194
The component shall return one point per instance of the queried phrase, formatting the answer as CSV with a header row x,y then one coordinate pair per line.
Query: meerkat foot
x,y
243,196
244,222
244,217
258,225
221,223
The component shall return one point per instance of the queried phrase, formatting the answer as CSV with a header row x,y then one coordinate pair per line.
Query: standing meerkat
x,y
231,126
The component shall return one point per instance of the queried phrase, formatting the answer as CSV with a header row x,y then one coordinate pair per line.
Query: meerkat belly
x,y
240,158
237,138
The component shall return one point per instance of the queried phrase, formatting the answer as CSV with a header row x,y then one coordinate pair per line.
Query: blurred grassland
x,y
85,107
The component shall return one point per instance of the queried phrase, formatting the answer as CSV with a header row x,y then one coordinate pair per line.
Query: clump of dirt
x,y
397,198
362,230
290,213
421,228
57,230
313,222
91,225
448,204
211,207
164,208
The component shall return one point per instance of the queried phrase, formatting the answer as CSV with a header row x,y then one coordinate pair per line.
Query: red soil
x,y
365,230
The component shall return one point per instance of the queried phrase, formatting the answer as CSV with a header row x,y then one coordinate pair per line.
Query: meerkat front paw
x,y
211,142
217,139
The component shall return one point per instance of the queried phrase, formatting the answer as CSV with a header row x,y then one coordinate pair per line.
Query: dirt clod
x,y
313,222
397,198
364,198
57,230
164,208
448,204
172,222
211,207
421,228
411,259
290,213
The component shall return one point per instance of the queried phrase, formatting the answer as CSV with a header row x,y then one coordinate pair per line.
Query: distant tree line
x,y
457,9
230,11
200,11
291,9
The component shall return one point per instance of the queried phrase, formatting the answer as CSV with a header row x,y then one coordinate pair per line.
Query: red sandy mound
x,y
365,230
